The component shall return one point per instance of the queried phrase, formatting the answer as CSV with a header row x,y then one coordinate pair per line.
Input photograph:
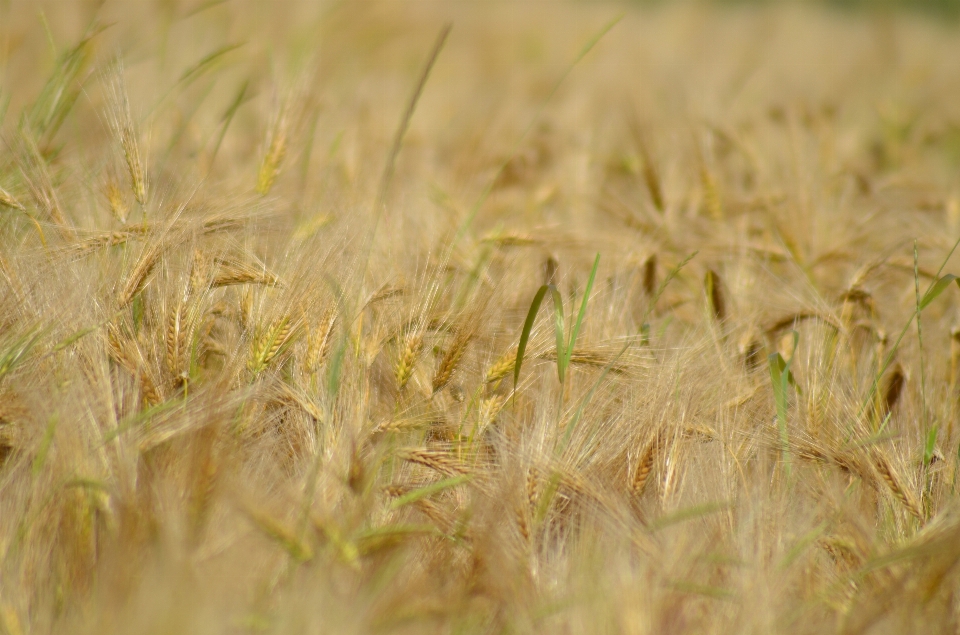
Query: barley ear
x,y
138,277
276,150
7,200
451,359
502,367
276,339
641,472
893,482
408,358
176,344
714,288
124,129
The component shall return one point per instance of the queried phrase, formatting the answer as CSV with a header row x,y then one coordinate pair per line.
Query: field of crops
x,y
478,317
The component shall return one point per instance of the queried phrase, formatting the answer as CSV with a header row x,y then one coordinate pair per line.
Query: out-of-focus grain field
x,y
272,359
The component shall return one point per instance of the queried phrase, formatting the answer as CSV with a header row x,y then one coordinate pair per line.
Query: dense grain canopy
x,y
303,326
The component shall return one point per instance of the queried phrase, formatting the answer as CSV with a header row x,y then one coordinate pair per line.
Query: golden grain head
x,y
409,353
7,200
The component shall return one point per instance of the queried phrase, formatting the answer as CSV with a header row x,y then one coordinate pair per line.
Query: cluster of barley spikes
x,y
303,326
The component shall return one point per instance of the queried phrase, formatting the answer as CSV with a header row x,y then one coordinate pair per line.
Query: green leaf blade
x,y
563,359
583,309
525,333
938,287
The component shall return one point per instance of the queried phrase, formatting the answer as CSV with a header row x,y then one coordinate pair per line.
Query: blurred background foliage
x,y
947,11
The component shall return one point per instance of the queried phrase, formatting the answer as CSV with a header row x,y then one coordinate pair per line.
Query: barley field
x,y
478,317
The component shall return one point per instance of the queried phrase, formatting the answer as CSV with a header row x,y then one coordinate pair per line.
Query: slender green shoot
x,y
429,490
528,327
226,120
565,343
583,309
923,382
937,287
782,379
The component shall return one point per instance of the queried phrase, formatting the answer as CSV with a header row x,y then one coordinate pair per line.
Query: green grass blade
x,y
928,297
689,513
938,287
563,359
15,352
429,490
583,310
663,285
930,445
227,119
782,379
525,333
195,72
